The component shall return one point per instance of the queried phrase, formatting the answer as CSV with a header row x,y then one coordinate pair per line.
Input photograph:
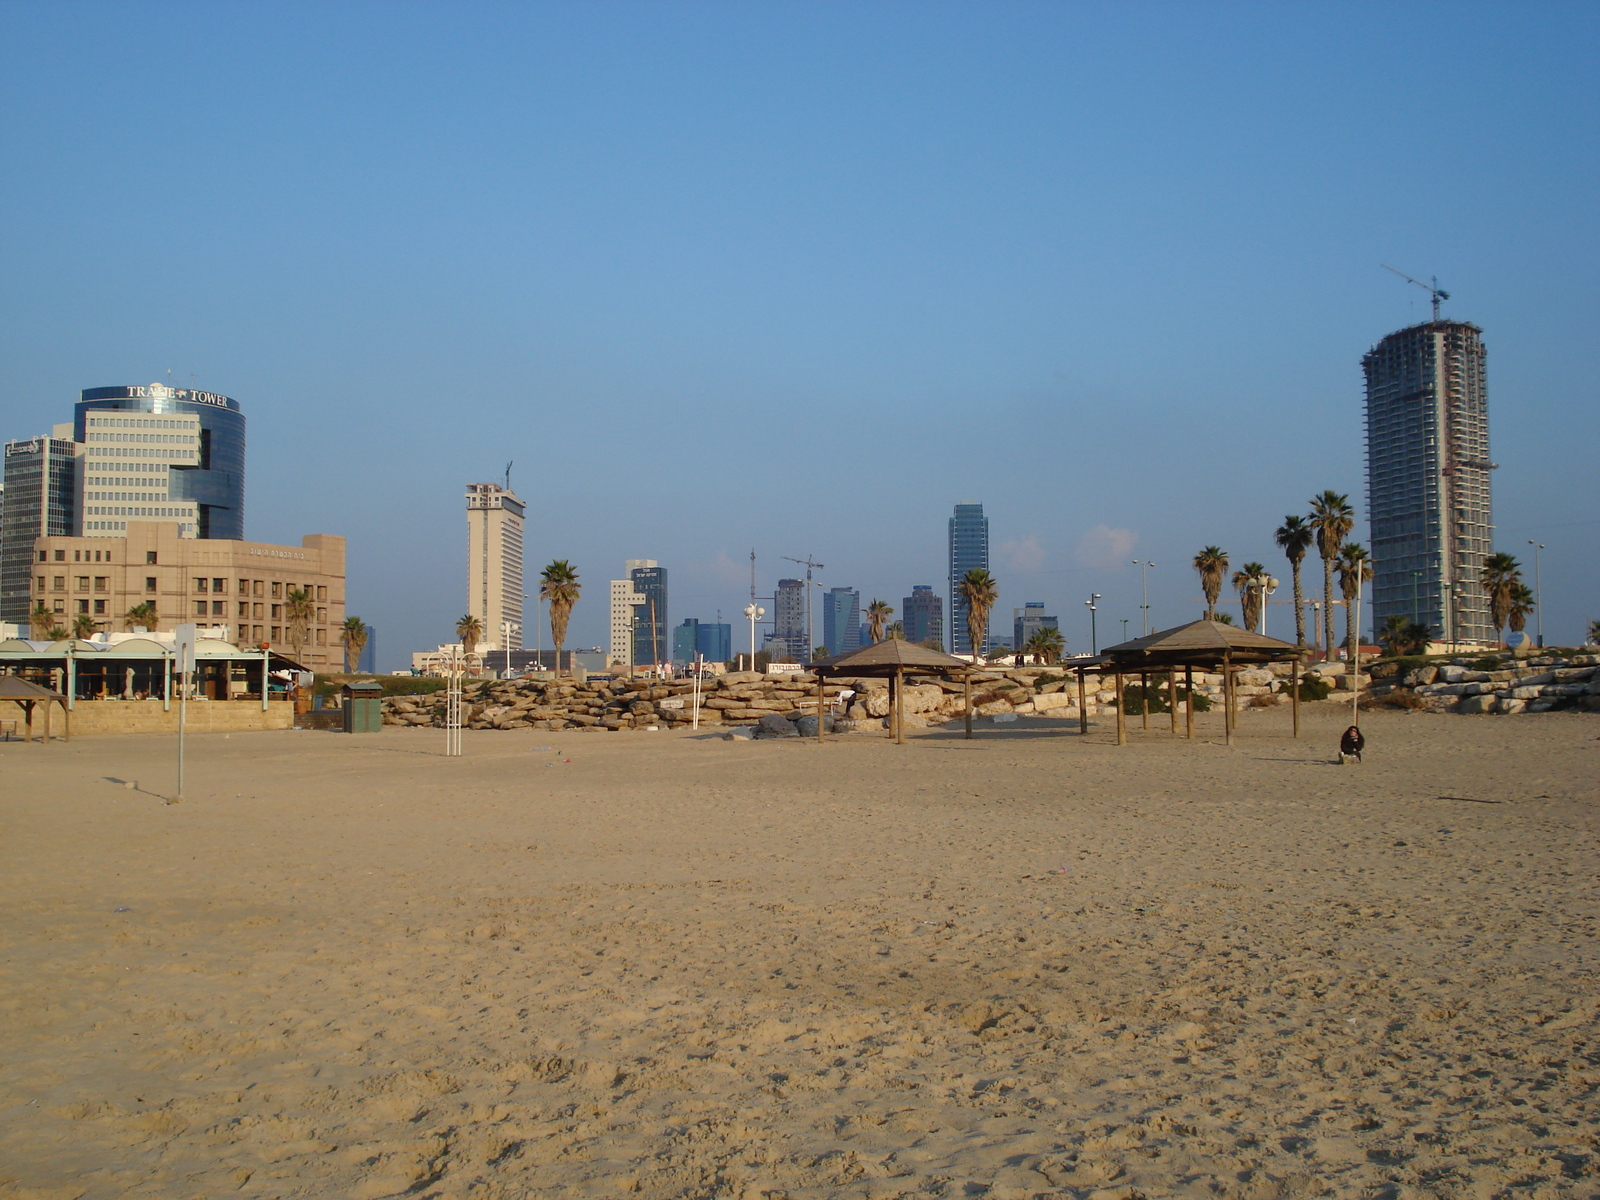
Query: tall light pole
x,y
755,612
1538,607
1416,609
1144,593
1266,585
1094,637
506,630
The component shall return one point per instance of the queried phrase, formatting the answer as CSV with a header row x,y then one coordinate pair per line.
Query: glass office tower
x,y
841,620
650,641
215,482
969,548
40,492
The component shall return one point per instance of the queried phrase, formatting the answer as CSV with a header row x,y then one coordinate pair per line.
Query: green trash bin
x,y
363,706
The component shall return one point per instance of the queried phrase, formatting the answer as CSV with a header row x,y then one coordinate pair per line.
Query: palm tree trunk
x,y
1327,606
1350,616
1299,609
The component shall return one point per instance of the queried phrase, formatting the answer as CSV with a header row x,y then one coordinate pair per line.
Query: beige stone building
x,y
243,586
494,564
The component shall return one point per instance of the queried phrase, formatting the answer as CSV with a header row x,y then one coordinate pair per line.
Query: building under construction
x,y
1428,479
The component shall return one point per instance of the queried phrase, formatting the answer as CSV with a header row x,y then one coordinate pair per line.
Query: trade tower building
x,y
969,548
494,563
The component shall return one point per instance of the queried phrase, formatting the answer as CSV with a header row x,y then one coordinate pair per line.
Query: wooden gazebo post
x,y
1144,692
966,693
1172,699
1227,696
1188,701
899,706
1122,721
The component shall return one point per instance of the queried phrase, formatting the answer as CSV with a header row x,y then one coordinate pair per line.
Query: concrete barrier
x,y
95,718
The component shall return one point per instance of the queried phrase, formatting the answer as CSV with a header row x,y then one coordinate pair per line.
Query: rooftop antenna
x,y
752,575
508,474
1431,288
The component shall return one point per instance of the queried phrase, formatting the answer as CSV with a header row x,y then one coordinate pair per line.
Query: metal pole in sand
x,y
1144,693
820,710
1294,694
1172,699
966,692
1083,708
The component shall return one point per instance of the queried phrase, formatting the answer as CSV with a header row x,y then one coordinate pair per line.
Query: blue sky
x,y
798,278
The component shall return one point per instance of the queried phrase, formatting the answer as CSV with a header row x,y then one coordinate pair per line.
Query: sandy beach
x,y
666,965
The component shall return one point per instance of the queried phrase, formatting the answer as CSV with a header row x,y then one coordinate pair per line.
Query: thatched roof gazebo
x,y
1210,645
893,659
26,696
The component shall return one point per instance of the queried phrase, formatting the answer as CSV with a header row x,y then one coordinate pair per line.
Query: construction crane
x,y
811,629
1431,288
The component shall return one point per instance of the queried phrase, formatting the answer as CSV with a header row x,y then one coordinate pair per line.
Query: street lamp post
x,y
507,628
1144,593
1416,609
1538,606
1266,585
1094,637
755,612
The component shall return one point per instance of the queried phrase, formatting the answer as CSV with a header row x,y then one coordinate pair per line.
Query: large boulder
x,y
777,725
1476,704
806,727
1508,706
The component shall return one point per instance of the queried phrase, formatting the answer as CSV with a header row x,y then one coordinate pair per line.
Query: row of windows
x,y
257,587
169,439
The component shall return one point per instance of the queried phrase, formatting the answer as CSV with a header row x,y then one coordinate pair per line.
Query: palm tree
x,y
470,631
559,587
1521,607
1294,536
298,609
1401,635
897,631
1501,574
39,621
1355,569
1047,645
878,613
1332,518
978,590
1212,563
84,627
142,614
353,636
1249,593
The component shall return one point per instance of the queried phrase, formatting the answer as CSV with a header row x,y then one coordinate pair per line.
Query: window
x,y
256,611
259,588
149,583
277,591
244,587
149,558
83,583
41,583
322,593
41,556
274,633
201,585
102,583
219,585
58,583
322,637
77,556
218,608
244,609
322,615
99,608
83,606
59,606
61,556
199,608
277,611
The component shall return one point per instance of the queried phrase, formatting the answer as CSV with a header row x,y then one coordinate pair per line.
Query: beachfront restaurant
x,y
141,666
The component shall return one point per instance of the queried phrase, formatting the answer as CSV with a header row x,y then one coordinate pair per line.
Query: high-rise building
x,y
841,620
209,482
650,643
922,612
41,489
624,600
711,640
1428,479
1027,621
789,619
494,563
969,548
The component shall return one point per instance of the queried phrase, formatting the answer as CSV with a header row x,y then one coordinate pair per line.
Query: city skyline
x,y
923,230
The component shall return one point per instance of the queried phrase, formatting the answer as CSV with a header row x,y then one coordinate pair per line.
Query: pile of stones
x,y
780,705
1512,686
